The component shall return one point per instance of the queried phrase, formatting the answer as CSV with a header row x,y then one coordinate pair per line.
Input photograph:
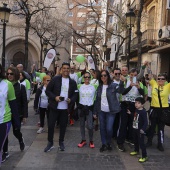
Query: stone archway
x,y
19,58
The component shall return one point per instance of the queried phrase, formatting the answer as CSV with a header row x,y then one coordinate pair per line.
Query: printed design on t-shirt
x,y
135,121
64,89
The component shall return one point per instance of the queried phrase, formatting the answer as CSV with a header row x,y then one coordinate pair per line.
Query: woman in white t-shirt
x,y
87,93
106,107
41,102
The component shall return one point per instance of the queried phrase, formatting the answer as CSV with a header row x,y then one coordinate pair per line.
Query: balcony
x,y
148,39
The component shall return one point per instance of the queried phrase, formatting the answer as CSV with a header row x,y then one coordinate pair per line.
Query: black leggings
x,y
4,130
43,111
17,133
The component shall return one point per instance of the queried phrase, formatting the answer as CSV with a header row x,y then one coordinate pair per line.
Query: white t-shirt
x,y
87,94
74,77
94,81
64,93
104,102
44,98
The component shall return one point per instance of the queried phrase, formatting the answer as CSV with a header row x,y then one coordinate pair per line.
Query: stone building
x,y
15,37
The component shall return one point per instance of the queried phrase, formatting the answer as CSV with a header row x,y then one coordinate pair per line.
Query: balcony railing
x,y
148,39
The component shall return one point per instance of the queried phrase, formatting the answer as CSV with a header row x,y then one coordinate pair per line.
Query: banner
x,y
49,58
90,63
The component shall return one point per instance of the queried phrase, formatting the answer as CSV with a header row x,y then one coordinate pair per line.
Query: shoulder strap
x,y
159,97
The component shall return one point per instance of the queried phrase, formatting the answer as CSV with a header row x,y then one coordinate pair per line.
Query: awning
x,y
156,50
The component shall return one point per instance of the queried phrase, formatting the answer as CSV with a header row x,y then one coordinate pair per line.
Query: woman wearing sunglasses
x,y
106,107
86,100
22,106
160,89
41,102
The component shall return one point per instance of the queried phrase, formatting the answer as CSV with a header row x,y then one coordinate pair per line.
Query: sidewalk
x,y
74,158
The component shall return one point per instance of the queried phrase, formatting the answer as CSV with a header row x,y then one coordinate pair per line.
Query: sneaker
x,y
109,147
131,142
127,141
5,155
121,148
82,143
40,130
148,144
160,147
49,147
143,159
134,153
103,148
22,145
91,144
71,122
61,146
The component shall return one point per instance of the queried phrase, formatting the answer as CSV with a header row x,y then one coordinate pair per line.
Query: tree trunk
x,y
26,42
139,33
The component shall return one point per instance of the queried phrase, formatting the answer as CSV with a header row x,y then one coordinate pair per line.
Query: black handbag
x,y
165,116
75,114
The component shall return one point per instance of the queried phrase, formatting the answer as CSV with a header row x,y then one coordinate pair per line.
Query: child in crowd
x,y
140,124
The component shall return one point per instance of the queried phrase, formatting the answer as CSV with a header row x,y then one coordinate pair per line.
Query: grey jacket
x,y
114,105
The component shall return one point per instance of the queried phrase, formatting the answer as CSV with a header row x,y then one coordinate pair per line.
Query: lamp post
x,y
45,44
130,20
104,50
4,17
57,58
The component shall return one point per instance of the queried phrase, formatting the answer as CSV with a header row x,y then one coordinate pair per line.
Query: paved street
x,y
74,158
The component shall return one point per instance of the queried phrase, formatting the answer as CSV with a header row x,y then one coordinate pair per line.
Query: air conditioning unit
x,y
164,32
168,4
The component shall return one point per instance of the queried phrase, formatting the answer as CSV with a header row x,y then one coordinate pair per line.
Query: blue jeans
x,y
106,126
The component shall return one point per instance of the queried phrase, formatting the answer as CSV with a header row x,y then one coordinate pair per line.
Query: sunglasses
x,y
86,77
161,78
103,75
10,74
117,74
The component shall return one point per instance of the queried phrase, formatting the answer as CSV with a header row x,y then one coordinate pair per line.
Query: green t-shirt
x,y
7,93
40,75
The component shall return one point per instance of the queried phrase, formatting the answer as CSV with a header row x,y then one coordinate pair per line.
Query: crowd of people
x,y
111,100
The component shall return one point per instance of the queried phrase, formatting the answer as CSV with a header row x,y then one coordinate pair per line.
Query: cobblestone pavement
x,y
74,158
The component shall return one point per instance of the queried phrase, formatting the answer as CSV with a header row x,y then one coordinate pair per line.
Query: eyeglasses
x,y
117,74
103,75
86,77
161,78
9,74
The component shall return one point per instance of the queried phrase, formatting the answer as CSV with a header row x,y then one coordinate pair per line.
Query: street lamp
x,y
45,44
4,17
104,50
130,20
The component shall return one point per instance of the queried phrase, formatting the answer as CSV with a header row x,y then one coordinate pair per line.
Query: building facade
x,y
15,38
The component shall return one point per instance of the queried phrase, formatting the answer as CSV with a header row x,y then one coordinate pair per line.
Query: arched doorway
x,y
19,58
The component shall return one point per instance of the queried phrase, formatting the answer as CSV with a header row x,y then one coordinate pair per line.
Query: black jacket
x,y
37,97
21,99
54,88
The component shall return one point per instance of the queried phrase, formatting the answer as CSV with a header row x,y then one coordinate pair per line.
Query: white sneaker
x,y
40,130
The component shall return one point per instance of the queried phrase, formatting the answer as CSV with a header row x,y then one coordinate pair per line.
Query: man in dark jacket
x,y
62,93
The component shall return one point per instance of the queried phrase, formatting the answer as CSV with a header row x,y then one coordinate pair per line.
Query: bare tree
x,y
28,9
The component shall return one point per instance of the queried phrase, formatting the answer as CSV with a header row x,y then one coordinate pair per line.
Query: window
x,y
81,14
80,23
71,6
79,50
70,14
